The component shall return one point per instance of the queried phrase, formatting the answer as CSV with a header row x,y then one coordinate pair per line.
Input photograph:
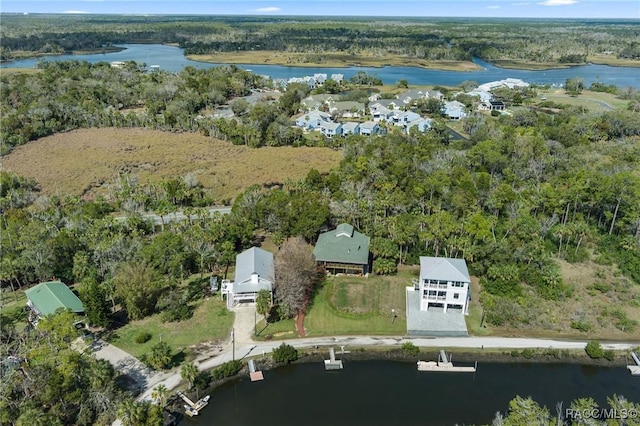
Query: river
x,y
370,393
171,58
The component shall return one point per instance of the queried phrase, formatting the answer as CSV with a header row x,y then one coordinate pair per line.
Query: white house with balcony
x,y
254,272
444,283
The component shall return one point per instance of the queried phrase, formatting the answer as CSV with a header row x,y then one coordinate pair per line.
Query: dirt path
x,y
300,324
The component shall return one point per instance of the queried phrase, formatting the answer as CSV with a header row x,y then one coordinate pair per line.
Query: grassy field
x,y
612,61
354,305
329,59
595,101
211,322
88,161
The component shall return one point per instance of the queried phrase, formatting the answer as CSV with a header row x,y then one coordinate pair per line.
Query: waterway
x,y
394,393
172,59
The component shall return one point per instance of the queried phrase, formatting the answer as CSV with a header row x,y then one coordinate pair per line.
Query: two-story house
x,y
444,283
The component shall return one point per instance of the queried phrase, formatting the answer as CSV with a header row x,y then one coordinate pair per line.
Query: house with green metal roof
x,y
46,298
343,250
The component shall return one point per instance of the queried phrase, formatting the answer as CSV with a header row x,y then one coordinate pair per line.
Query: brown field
x,y
88,161
329,59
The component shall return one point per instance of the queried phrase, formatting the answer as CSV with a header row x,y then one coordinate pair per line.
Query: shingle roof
x,y
48,297
343,244
443,269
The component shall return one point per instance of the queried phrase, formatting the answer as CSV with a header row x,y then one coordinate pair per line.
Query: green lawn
x,y
211,321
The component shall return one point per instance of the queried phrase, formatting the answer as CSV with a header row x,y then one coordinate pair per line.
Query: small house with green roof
x,y
343,250
46,298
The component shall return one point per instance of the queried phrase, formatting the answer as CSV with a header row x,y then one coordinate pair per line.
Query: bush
x,y
409,349
609,354
285,354
594,350
528,353
142,337
581,326
228,369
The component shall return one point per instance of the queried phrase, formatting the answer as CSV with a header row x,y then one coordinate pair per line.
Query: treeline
x,y
433,39
73,94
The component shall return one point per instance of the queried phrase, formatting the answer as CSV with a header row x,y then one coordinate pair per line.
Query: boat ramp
x,y
444,364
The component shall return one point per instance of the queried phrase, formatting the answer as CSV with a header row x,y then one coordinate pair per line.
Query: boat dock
x,y
193,408
634,369
254,373
332,363
444,364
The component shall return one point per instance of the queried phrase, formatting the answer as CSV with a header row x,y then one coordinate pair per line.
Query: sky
x,y
414,8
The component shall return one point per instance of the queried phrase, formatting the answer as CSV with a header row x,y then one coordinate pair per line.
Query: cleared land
x,y
211,322
329,59
88,161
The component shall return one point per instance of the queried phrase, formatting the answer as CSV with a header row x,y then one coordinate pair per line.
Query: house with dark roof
x,y
343,250
46,298
254,272
444,283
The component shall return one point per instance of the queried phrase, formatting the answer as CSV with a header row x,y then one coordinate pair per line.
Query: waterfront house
x,y
338,78
254,272
46,298
444,283
343,250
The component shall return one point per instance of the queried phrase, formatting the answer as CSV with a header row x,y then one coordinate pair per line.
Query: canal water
x,y
371,393
171,58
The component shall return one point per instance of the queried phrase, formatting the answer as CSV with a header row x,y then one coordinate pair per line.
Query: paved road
x,y
176,216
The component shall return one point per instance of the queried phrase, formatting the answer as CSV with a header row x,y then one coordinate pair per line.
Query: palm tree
x,y
159,394
189,372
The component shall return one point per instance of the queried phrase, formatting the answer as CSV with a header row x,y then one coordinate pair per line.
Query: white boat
x,y
201,403
191,412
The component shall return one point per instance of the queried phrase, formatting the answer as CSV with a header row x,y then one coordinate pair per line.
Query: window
x,y
456,295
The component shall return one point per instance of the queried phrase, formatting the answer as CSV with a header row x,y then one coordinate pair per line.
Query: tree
x,y
137,284
97,307
402,83
285,354
574,86
159,394
160,356
263,302
189,372
296,275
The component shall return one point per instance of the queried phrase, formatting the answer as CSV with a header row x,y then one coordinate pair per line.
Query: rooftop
x,y
344,244
50,296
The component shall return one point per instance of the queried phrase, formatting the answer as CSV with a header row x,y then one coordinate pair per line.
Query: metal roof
x,y
50,296
344,245
254,260
443,269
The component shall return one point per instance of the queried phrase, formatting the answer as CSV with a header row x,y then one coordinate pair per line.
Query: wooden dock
x,y
634,369
193,408
444,364
254,374
332,363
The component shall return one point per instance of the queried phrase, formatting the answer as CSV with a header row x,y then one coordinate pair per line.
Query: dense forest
x,y
561,41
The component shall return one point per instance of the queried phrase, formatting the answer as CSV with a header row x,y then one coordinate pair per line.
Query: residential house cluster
x,y
312,81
